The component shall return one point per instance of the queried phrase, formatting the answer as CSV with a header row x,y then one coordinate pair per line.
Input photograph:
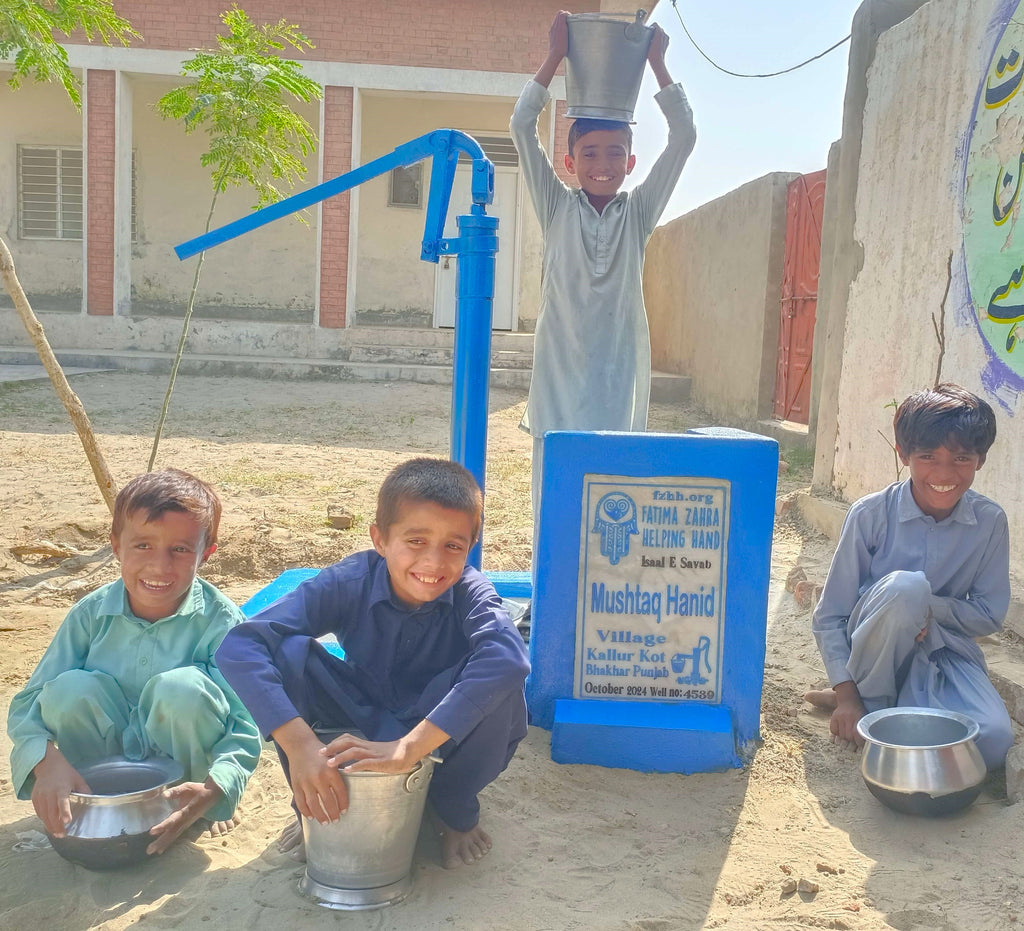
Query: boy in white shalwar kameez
x,y
592,350
920,570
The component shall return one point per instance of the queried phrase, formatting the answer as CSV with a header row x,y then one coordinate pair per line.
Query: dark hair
x,y
586,125
156,493
946,415
437,481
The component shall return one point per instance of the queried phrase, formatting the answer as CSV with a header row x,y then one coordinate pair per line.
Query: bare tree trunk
x,y
71,402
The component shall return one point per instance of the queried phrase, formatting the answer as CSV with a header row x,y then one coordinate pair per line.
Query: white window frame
x,y
32,198
63,191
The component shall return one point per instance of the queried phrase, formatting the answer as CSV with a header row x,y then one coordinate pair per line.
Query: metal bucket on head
x,y
605,64
364,859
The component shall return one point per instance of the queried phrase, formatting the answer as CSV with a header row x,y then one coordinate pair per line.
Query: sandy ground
x,y
576,847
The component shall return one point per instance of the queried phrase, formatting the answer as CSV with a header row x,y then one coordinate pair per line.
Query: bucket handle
x,y
635,30
416,780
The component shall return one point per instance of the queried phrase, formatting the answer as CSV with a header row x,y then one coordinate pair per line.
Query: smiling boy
x,y
131,670
432,663
592,348
921,569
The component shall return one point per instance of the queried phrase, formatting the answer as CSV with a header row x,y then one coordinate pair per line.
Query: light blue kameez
x,y
897,571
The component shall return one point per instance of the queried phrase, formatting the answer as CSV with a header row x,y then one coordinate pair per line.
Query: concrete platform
x,y
790,435
74,360
11,373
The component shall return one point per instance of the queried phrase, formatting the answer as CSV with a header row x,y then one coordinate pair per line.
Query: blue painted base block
x,y
287,581
645,736
511,584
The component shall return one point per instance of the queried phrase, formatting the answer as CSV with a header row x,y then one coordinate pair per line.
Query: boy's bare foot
x,y
458,847
292,842
220,828
826,699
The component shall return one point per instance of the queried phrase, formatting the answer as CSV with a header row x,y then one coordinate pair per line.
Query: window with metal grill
x,y
499,149
50,192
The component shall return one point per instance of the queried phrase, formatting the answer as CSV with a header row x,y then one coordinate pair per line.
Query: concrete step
x,y
667,387
433,355
790,435
263,366
437,337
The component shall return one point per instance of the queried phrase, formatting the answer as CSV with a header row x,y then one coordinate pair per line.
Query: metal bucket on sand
x,y
364,859
605,64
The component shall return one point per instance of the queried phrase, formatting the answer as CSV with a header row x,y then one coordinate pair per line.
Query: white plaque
x,y
652,583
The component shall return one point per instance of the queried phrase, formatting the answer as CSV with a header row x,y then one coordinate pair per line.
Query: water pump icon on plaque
x,y
652,585
647,652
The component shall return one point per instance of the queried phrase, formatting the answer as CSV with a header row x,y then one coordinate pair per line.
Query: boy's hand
x,y
317,786
656,56
658,47
194,799
356,754
558,48
558,36
56,779
843,723
924,630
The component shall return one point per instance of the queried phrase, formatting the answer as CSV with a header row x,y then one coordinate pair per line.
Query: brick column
x,y
334,213
100,102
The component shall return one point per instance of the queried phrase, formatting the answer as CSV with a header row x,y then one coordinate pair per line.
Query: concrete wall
x,y
274,266
922,208
712,286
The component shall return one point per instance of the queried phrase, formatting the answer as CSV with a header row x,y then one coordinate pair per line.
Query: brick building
x,y
93,202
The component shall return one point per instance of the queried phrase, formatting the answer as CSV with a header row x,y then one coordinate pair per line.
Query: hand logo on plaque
x,y
615,520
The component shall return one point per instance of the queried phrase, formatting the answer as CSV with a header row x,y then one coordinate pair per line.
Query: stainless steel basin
x,y
110,827
921,761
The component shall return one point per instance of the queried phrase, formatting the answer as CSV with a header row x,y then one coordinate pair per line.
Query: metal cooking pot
x,y
921,761
110,827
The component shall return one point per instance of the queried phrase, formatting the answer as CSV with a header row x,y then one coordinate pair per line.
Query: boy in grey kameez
x,y
592,351
920,570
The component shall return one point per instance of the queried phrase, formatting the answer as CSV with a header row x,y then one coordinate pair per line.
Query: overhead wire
x,y
737,74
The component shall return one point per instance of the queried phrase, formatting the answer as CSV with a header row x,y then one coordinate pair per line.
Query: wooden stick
x,y
71,402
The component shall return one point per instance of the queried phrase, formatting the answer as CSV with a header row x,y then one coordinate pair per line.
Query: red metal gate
x,y
805,204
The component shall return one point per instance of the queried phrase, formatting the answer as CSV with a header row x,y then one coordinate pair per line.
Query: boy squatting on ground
x,y
592,348
131,670
920,570
432,662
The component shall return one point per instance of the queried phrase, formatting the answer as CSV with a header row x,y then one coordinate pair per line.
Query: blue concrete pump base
x,y
645,736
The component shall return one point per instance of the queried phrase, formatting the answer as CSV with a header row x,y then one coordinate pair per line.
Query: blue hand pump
x,y
475,247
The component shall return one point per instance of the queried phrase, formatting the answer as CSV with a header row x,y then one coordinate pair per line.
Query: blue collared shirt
x,y
966,559
396,650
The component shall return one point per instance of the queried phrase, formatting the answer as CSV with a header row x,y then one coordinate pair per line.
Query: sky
x,y
748,127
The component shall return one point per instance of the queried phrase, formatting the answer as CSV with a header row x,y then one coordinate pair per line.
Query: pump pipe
x,y
475,247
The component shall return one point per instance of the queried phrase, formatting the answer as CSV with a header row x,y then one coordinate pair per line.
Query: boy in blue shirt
x,y
131,670
592,348
921,569
432,662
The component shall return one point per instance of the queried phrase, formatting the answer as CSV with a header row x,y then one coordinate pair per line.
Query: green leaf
x,y
28,28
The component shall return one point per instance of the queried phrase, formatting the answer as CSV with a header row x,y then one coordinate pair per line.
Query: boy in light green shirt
x,y
131,670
